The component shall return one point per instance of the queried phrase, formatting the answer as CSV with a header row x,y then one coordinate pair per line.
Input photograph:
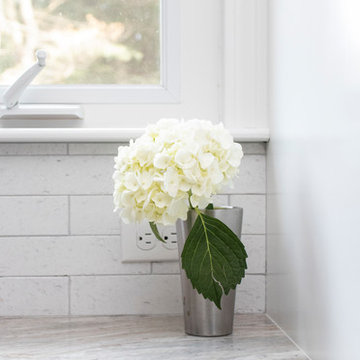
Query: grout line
x,y
57,155
67,153
253,154
255,273
246,193
107,194
69,219
113,316
32,276
58,235
89,235
33,195
177,273
101,275
69,295
287,336
46,194
63,154
79,275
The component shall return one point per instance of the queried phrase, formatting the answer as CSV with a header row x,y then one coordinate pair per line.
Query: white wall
x,y
60,242
313,208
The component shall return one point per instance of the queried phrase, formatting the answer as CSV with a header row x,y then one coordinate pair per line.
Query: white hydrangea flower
x,y
174,164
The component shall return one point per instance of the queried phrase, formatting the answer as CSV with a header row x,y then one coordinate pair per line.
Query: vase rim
x,y
222,207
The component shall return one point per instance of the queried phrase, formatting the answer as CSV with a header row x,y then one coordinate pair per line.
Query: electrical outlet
x,y
169,235
145,239
139,244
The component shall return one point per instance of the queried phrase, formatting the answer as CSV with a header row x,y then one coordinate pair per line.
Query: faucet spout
x,y
13,93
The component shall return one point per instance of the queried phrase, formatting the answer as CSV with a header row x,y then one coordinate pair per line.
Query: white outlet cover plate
x,y
132,253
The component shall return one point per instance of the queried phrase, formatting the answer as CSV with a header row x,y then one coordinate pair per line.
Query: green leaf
x,y
210,207
213,258
156,231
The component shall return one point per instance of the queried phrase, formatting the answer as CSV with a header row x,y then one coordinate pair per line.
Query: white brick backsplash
x,y
152,294
94,148
250,295
130,294
255,248
33,149
79,255
33,215
58,232
254,212
254,148
93,215
40,175
251,179
34,296
165,267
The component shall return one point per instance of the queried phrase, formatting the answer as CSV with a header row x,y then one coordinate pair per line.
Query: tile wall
x,y
60,242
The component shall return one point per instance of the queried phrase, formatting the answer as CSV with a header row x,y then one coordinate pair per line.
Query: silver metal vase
x,y
201,316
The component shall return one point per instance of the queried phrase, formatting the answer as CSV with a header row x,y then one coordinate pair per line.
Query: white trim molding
x,y
245,63
105,135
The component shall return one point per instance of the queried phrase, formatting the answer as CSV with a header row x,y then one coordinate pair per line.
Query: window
x,y
88,41
110,51
204,59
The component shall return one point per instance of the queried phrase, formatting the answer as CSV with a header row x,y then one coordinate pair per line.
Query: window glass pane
x,y
87,41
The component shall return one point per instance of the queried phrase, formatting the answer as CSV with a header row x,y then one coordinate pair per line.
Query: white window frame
x,y
168,91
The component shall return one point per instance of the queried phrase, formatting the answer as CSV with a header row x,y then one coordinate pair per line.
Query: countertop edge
x,y
106,134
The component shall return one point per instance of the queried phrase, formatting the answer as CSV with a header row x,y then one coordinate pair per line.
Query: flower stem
x,y
190,204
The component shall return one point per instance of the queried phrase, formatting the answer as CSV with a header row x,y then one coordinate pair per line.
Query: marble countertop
x,y
139,337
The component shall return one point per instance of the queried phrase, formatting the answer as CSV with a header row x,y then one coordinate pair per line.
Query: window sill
x,y
106,135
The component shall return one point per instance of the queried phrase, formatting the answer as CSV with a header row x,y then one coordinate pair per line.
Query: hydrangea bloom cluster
x,y
173,164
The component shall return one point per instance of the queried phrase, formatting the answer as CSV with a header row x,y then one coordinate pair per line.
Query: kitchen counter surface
x,y
139,337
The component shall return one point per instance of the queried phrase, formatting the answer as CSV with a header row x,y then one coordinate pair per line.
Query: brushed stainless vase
x,y
201,316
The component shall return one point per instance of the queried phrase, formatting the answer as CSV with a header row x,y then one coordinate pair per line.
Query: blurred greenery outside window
x,y
87,41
